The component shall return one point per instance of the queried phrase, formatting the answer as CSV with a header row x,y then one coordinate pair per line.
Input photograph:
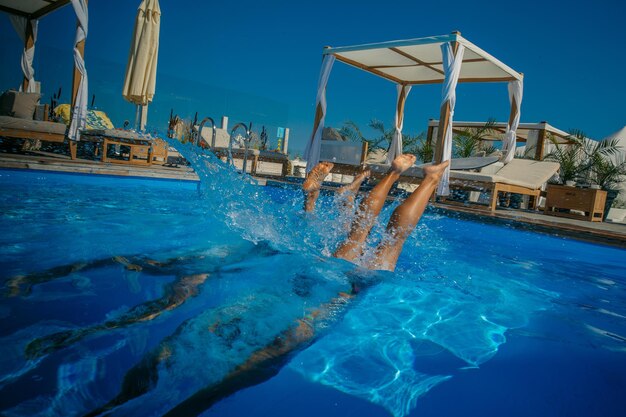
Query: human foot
x,y
314,179
402,163
435,171
356,184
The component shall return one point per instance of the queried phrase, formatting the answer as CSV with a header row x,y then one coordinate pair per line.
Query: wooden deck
x,y
45,161
598,232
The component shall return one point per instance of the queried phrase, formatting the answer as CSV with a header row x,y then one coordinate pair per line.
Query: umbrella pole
x,y
137,116
143,117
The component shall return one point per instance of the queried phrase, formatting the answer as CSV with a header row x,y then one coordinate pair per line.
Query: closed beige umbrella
x,y
140,81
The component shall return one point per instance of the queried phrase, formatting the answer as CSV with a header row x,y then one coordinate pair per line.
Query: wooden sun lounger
x,y
259,163
520,176
17,128
142,147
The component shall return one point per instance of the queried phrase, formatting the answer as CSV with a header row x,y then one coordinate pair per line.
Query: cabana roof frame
x,y
31,9
418,61
499,129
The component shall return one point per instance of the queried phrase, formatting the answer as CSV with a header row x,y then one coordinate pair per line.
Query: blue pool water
x,y
477,319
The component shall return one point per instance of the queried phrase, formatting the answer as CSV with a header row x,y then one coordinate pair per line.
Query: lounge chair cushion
x,y
16,123
18,104
522,172
527,173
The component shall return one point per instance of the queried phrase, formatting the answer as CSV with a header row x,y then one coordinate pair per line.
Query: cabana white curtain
x,y
20,24
395,148
452,69
515,98
79,111
312,151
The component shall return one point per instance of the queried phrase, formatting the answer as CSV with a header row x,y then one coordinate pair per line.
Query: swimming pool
x,y
167,287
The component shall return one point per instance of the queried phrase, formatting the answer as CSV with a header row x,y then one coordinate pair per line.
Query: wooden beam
x,y
414,59
11,10
395,66
49,9
369,69
29,134
462,80
429,134
541,138
28,43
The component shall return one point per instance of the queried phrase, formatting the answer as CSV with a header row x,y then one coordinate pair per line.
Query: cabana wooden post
x,y
412,62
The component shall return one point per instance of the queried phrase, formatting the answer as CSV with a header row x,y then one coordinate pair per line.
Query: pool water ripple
x,y
462,291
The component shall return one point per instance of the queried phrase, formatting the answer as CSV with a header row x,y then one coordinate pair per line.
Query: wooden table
x,y
561,199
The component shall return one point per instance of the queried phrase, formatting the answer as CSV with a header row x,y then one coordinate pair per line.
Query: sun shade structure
x,y
140,80
447,59
25,15
540,136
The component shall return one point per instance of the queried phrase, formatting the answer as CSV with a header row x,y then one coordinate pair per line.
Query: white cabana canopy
x,y
419,61
447,60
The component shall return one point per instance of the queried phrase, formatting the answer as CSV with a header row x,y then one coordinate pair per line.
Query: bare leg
x,y
348,192
313,182
405,218
369,209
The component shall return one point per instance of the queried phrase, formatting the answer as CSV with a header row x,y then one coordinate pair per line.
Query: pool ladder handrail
x,y
246,144
198,137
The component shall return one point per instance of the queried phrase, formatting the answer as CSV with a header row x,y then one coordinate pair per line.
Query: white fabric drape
x,y
28,55
452,69
396,143
312,151
508,144
79,111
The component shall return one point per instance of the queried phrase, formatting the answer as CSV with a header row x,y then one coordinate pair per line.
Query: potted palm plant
x,y
590,162
608,173
570,157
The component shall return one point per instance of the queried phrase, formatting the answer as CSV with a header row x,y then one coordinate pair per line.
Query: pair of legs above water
x,y
402,222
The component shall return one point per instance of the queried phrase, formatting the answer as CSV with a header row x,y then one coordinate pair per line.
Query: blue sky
x,y
259,61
